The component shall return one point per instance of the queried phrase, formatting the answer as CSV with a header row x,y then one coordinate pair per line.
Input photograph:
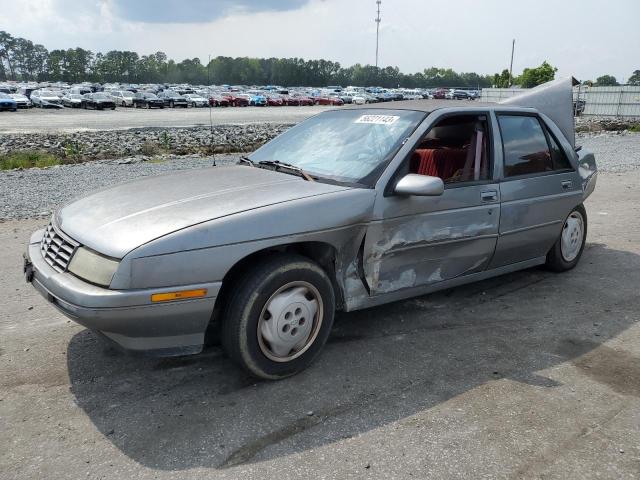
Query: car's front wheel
x,y
566,252
279,317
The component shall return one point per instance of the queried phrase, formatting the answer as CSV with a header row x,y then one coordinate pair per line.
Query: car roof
x,y
427,106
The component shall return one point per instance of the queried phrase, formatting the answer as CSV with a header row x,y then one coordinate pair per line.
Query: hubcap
x,y
290,321
572,235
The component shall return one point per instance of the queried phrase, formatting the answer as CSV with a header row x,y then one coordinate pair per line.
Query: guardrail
x,y
615,102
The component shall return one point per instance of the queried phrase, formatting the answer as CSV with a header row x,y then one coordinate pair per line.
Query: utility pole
x,y
377,30
513,46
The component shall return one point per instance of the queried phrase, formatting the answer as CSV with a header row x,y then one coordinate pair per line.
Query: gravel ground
x,y
36,192
106,144
615,152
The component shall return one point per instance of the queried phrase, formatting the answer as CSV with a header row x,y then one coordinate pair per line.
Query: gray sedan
x,y
350,209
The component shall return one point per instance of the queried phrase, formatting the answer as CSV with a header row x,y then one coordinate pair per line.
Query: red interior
x,y
444,161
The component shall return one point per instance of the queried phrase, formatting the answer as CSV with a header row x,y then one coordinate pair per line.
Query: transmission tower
x,y
377,30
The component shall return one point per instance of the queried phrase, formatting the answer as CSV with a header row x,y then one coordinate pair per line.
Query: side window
x,y
526,150
454,149
560,161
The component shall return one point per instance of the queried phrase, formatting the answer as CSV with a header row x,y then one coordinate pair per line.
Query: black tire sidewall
x,y
555,259
241,339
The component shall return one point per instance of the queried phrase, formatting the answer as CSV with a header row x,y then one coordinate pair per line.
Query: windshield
x,y
4,95
99,96
351,146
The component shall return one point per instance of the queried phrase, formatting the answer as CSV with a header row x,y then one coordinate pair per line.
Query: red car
x,y
439,93
299,100
236,101
291,101
274,101
328,101
218,101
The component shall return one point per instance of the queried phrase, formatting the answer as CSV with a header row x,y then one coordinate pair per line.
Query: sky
x,y
583,38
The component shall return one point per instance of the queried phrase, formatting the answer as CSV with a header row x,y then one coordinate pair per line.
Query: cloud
x,y
195,11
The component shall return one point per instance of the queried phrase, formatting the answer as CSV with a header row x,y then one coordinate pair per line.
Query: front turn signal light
x,y
181,295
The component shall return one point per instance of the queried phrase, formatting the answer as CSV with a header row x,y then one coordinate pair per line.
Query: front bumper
x,y
128,317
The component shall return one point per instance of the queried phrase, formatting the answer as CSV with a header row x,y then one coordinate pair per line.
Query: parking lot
x,y
67,120
530,375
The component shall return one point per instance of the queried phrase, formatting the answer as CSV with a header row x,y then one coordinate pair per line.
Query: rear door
x,y
538,189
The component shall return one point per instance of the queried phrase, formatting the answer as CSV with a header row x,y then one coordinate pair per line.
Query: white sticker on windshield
x,y
378,119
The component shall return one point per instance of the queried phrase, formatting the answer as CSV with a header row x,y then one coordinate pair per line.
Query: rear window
x,y
560,161
525,145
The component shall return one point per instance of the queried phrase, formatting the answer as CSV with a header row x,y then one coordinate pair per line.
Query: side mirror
x,y
420,185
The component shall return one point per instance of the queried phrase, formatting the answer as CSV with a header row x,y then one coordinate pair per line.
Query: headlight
x,y
93,267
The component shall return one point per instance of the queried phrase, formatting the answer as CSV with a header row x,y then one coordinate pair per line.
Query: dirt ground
x,y
530,375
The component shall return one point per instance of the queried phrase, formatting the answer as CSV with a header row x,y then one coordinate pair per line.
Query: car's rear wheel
x,y
566,252
279,317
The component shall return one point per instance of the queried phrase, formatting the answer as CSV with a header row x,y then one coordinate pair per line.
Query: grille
x,y
57,250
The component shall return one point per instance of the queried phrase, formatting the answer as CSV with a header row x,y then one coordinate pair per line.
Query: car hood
x,y
117,220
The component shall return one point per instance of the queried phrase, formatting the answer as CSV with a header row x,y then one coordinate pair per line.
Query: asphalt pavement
x,y
73,120
529,375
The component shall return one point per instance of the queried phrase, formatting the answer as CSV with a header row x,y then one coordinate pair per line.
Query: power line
x,y
377,30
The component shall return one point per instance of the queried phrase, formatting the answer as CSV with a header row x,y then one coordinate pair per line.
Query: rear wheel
x,y
566,252
279,317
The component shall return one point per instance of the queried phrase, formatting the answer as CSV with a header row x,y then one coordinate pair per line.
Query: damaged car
x,y
352,208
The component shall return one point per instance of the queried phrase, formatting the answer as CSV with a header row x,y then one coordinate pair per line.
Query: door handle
x,y
567,184
489,196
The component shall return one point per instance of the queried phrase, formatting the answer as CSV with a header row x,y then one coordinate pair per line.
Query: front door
x,y
416,241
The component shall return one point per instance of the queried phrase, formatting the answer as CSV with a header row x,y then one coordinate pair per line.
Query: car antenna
x,y
213,152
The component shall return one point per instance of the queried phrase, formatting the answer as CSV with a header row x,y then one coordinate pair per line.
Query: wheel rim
x,y
290,321
572,236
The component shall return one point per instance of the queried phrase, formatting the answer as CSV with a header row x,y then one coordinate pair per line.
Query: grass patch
x,y
28,159
635,128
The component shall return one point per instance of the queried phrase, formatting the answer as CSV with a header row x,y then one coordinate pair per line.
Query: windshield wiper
x,y
248,161
280,166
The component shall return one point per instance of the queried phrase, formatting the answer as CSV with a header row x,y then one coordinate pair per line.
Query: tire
x,y
566,252
246,311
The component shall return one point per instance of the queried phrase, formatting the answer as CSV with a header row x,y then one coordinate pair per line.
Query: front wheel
x,y
279,317
566,252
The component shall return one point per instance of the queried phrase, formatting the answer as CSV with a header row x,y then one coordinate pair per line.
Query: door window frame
x,y
546,132
491,157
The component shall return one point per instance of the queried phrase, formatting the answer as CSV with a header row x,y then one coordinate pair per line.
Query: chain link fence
x,y
613,102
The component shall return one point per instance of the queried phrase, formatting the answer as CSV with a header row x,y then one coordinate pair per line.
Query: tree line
x,y
21,59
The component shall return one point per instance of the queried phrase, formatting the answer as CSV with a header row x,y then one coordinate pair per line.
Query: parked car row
x,y
110,96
